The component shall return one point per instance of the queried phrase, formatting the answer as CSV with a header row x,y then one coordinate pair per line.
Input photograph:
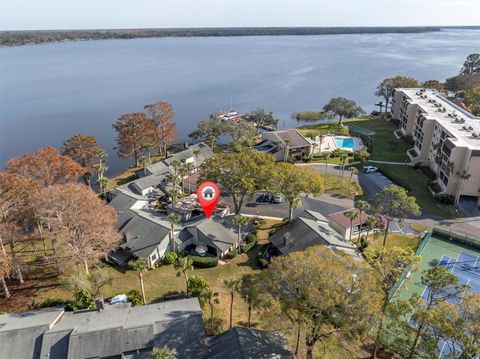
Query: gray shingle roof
x,y
302,233
205,153
293,137
245,343
21,333
122,203
121,328
143,235
214,233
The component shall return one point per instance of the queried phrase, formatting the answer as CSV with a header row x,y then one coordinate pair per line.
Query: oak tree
x,y
240,174
291,181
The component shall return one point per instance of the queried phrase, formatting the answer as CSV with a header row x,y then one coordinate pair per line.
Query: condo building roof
x,y
463,128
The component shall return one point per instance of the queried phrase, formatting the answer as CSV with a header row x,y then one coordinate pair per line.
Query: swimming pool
x,y
344,142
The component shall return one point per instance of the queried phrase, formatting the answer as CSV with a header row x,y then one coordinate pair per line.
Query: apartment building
x,y
445,137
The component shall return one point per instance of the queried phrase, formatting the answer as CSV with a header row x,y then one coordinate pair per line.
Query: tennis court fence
x,y
456,236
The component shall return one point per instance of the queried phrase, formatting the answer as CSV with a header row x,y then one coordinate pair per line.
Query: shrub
x,y
251,237
204,262
261,252
170,257
361,156
53,302
249,246
444,198
82,299
232,254
135,297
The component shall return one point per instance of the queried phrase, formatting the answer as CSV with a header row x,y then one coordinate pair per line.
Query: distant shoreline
x,y
26,37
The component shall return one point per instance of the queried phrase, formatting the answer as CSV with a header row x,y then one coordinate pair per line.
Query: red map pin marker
x,y
208,194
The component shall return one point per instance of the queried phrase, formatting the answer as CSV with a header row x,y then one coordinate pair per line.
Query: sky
x,y
109,14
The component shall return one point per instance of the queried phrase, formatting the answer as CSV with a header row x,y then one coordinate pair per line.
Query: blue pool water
x,y
344,142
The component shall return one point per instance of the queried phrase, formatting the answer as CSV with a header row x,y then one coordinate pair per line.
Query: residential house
x,y
119,330
304,232
285,144
342,224
188,208
112,331
445,138
207,237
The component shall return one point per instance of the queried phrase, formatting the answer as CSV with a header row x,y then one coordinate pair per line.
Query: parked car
x,y
279,198
382,221
265,198
370,169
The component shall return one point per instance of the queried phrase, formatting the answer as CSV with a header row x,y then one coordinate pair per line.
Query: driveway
x,y
373,183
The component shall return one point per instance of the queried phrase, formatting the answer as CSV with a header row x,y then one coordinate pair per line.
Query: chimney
x,y
185,145
99,304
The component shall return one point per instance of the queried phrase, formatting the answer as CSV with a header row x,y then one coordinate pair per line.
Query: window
x,y
154,258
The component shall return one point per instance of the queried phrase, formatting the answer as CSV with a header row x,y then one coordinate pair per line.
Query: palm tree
x,y
372,222
240,221
343,160
326,156
233,285
182,172
362,206
142,161
173,219
103,183
353,170
190,168
212,298
463,177
196,154
140,265
184,265
351,214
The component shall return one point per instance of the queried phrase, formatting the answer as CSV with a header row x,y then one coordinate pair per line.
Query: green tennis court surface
x,y
458,253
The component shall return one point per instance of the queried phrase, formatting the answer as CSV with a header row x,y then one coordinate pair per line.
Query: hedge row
x,y
248,246
204,262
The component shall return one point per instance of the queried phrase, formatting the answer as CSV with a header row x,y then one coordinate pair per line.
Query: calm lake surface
x,y
52,91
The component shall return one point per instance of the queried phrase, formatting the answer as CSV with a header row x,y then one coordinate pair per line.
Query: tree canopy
x,y
472,100
135,132
329,293
161,115
260,117
471,65
387,87
47,166
83,149
240,174
343,107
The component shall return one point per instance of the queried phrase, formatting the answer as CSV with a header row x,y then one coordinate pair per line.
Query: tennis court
x,y
459,254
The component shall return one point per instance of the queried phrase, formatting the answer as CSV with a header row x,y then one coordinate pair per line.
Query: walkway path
x,y
392,163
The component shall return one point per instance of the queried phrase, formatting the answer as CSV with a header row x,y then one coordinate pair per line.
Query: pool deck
x,y
328,144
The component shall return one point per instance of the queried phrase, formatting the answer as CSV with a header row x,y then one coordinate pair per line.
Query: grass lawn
x,y
333,186
415,181
394,239
386,147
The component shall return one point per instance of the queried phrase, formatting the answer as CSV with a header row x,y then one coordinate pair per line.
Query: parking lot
x,y
372,183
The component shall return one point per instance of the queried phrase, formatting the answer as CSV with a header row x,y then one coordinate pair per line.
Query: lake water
x,y
52,91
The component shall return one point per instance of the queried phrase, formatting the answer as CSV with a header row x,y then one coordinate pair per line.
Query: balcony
x,y
412,154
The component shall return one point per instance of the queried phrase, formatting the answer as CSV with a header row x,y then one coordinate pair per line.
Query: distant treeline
x,y
12,38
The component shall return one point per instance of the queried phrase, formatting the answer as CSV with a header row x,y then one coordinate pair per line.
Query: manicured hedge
x,y
263,262
204,262
248,246
232,254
